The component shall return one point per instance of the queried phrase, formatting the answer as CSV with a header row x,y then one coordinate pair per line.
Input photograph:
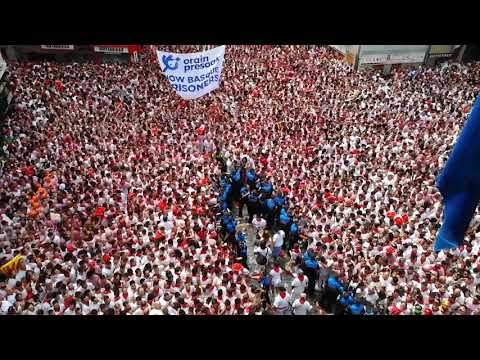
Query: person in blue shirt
x,y
230,228
253,203
266,188
227,194
236,185
346,299
279,200
333,289
292,235
284,220
356,308
251,178
269,212
310,269
266,283
242,249
243,200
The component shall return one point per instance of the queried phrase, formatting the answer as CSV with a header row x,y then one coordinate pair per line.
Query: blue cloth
x,y
333,283
346,300
243,191
284,218
240,237
356,309
231,226
251,176
265,281
236,176
253,199
270,204
309,262
266,188
459,184
227,189
243,251
226,219
279,200
293,228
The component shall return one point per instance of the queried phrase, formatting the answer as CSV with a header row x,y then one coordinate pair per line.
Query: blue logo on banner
x,y
167,60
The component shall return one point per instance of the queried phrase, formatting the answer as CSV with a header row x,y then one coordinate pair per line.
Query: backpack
x,y
261,260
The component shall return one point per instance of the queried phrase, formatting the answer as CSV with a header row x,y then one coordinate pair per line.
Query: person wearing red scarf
x,y
281,304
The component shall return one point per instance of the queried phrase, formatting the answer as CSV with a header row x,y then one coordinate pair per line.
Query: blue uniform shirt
x,y
279,200
251,175
293,228
252,198
240,237
333,283
348,300
270,204
309,262
267,187
356,309
284,218
231,226
236,176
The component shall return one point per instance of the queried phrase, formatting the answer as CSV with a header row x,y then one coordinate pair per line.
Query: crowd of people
x,y
111,187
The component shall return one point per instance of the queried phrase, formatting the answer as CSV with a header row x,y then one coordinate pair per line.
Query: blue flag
x,y
459,184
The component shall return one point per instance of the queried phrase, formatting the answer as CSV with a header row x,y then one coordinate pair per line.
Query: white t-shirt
x,y
155,312
299,286
5,306
259,224
277,240
281,303
276,277
301,309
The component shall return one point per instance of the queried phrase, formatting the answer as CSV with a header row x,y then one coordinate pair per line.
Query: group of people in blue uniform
x,y
243,186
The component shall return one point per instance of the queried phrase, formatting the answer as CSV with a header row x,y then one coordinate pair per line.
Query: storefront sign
x,y
57,47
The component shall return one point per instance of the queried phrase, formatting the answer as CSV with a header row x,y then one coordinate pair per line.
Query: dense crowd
x,y
109,191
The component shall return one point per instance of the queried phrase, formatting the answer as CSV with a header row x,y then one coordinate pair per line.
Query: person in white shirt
x,y
156,309
276,275
259,223
281,304
299,285
277,243
301,306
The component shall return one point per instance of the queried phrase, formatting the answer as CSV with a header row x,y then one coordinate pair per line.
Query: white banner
x,y
392,59
195,74
57,47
